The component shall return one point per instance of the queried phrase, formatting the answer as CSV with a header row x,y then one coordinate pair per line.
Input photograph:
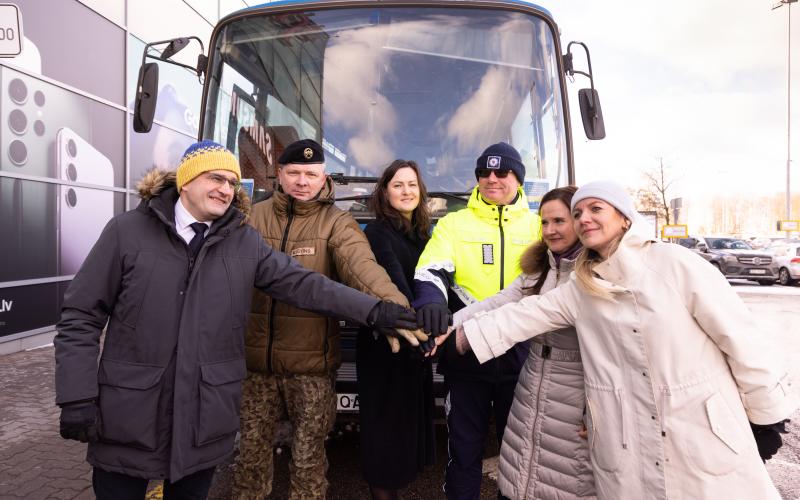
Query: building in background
x,y
70,159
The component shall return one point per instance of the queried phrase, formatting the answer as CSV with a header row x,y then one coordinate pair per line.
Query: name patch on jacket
x,y
302,251
488,253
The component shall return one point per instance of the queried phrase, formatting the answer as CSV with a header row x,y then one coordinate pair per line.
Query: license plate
x,y
758,271
347,402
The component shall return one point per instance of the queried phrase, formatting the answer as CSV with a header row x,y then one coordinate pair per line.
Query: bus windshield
x,y
434,85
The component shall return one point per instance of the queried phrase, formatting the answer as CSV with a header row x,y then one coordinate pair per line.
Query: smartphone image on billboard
x,y
31,113
82,211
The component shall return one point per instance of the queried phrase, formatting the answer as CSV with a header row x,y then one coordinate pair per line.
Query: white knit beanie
x,y
610,192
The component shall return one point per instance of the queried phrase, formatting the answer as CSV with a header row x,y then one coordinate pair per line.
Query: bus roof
x,y
279,3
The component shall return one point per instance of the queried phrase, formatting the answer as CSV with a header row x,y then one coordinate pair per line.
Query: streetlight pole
x,y
788,4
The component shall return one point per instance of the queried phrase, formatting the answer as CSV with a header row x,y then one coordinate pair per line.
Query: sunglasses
x,y
486,172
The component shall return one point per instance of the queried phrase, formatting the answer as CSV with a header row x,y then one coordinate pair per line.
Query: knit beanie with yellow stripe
x,y
205,156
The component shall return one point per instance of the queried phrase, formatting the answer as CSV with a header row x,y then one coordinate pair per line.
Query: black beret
x,y
302,151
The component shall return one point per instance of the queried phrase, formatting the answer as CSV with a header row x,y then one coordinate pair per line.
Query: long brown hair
x,y
541,262
420,223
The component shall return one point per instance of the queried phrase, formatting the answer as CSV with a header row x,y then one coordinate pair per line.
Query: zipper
x,y
502,264
189,269
502,247
192,261
545,356
273,303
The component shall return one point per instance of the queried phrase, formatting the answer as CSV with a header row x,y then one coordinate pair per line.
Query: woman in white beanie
x,y
549,400
676,371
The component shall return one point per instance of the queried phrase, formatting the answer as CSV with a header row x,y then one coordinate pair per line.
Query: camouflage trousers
x,y
310,402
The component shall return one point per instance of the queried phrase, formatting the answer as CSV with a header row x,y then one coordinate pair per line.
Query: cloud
x,y
701,83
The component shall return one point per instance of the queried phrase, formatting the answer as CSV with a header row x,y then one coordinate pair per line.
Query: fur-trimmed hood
x,y
527,261
156,181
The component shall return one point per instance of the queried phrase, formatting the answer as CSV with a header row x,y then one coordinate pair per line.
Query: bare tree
x,y
653,195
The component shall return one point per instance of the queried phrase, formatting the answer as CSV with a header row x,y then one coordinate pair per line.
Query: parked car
x,y
787,257
735,258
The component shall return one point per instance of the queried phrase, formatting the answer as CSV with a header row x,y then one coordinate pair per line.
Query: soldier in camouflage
x,y
292,355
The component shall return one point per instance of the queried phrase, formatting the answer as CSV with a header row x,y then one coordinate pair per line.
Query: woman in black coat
x,y
395,390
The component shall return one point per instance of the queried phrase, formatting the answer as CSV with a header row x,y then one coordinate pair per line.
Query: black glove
x,y
427,346
391,315
79,421
768,438
434,318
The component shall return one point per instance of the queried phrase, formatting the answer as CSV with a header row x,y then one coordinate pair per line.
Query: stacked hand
x,y
79,421
462,344
434,318
768,438
394,320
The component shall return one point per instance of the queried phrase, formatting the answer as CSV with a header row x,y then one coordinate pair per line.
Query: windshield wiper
x,y
341,179
455,195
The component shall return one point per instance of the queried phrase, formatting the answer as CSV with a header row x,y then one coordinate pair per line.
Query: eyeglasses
x,y
486,172
221,180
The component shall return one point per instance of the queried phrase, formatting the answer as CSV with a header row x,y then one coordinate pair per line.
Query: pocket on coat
x,y
128,403
220,397
606,428
719,444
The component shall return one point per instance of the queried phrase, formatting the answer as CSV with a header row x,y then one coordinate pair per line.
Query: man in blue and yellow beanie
x,y
170,284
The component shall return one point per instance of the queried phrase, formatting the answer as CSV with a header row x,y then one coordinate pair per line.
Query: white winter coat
x,y
542,455
674,368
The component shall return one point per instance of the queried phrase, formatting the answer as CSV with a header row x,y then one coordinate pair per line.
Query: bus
x,y
435,81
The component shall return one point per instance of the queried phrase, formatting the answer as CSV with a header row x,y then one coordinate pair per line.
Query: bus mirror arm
x,y
174,46
147,84
588,99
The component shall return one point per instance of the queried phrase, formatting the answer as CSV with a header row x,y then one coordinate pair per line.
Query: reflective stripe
x,y
425,274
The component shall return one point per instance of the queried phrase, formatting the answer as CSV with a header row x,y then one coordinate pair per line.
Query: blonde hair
x,y
588,259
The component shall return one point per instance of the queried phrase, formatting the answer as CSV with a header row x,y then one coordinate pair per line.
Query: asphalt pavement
x,y
35,463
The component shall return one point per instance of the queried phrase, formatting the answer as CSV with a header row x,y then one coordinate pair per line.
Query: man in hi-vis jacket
x,y
472,254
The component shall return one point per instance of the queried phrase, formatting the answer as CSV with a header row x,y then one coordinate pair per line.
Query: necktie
x,y
197,242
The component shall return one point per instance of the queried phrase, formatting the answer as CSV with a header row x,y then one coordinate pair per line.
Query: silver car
x,y
787,257
735,258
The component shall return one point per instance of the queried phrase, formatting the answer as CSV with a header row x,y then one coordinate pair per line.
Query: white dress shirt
x,y
183,222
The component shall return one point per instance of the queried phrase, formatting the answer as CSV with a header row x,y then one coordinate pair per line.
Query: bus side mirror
x,y
591,114
588,100
144,108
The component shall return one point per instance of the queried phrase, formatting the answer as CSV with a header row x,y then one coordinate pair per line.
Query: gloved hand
x,y
79,421
768,438
394,320
434,318
428,348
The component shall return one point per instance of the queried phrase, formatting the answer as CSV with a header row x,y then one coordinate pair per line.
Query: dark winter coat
x,y
395,390
168,385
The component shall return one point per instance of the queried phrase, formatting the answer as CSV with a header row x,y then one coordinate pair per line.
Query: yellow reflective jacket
x,y
475,251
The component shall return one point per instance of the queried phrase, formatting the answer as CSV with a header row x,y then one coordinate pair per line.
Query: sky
x,y
699,83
